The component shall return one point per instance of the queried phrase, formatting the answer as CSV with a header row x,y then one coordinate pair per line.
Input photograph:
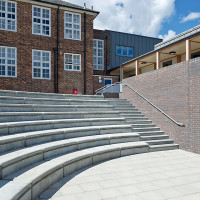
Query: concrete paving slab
x,y
155,176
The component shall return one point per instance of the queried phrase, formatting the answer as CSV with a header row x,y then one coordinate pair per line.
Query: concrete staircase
x,y
44,137
145,128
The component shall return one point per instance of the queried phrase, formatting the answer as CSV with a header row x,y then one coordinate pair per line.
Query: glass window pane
x,y
119,50
125,52
68,59
76,59
2,24
11,71
130,52
2,52
2,61
36,73
68,17
2,5
2,70
37,55
45,73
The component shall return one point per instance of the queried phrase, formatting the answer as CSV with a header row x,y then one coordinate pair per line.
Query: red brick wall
x,y
25,41
176,90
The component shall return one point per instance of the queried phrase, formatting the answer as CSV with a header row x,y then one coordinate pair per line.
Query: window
x,y
41,21
124,51
72,62
72,26
8,15
195,55
41,64
8,62
107,81
98,54
167,63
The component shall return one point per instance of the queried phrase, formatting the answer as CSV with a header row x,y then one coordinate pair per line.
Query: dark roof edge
x,y
76,8
133,34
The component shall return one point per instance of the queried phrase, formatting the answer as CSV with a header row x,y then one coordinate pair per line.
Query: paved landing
x,y
167,175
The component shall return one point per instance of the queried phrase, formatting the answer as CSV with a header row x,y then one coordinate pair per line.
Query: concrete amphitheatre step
x,y
27,126
12,142
48,101
44,137
163,147
14,161
138,121
29,116
52,108
137,125
33,181
48,95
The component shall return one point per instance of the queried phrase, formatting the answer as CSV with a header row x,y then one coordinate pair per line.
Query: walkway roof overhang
x,y
175,44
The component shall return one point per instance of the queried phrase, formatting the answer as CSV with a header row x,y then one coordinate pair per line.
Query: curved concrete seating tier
x,y
11,142
27,126
52,108
45,101
19,159
34,181
44,137
30,116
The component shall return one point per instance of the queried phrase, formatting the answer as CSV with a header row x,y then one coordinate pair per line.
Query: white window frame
x,y
41,67
41,18
6,16
107,79
65,36
6,62
97,50
72,62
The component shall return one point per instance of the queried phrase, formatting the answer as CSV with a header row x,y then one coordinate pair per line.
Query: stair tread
x,y
163,145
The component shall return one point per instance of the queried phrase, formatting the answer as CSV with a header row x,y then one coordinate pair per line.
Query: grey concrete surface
x,y
164,175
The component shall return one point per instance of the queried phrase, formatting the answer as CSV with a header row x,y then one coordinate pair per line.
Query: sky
x,y
153,18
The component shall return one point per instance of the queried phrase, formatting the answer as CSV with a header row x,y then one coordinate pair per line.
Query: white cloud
x,y
140,17
170,34
191,16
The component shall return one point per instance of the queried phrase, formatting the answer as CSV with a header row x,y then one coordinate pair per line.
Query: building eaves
x,y
68,5
183,36
189,33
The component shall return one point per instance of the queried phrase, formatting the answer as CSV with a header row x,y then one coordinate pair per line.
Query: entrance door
x,y
107,81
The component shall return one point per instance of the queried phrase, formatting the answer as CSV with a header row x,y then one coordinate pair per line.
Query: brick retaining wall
x,y
176,90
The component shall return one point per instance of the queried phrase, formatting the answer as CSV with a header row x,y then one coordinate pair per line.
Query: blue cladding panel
x,y
139,44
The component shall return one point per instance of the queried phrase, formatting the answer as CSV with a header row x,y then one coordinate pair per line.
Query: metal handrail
x,y
106,87
179,124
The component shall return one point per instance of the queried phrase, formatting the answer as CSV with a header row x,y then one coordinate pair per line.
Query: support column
x,y
122,73
154,66
137,71
157,60
178,58
188,50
